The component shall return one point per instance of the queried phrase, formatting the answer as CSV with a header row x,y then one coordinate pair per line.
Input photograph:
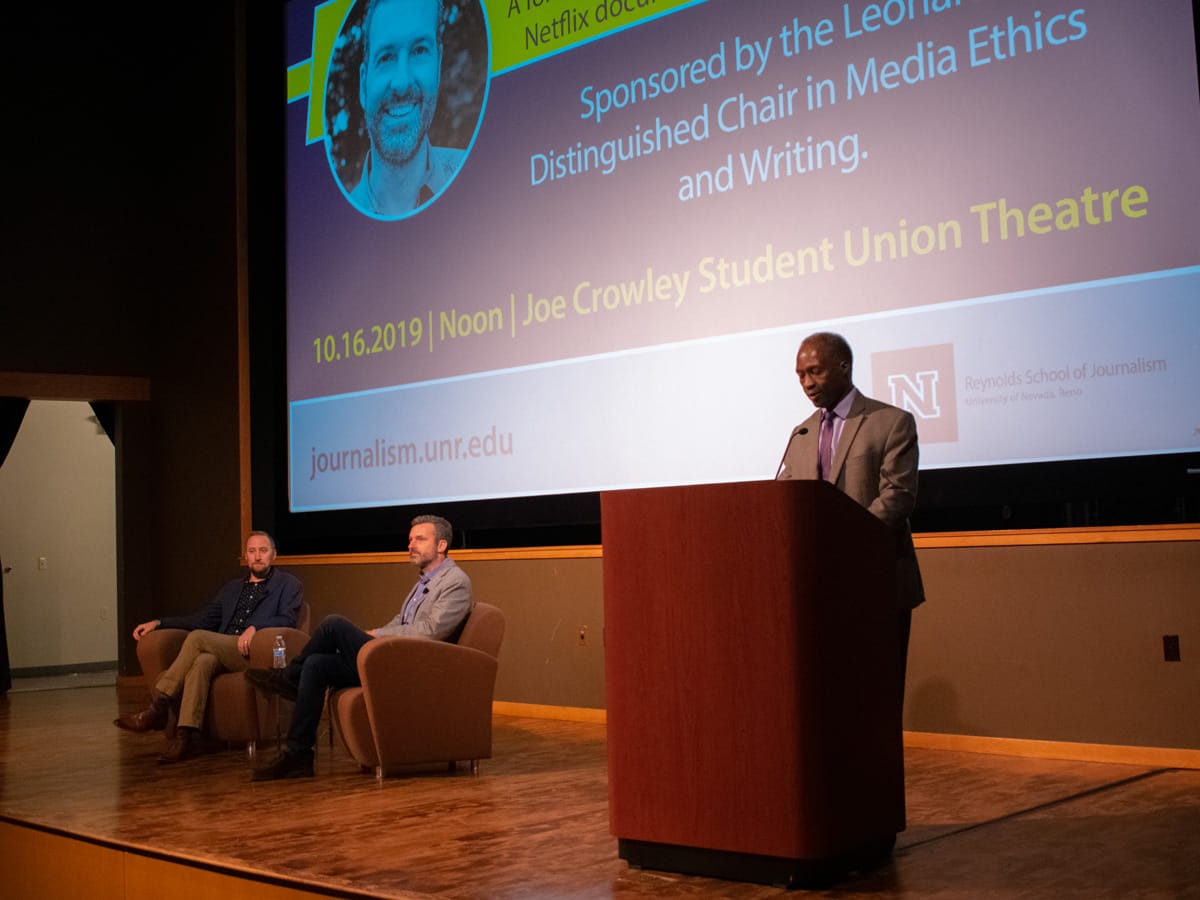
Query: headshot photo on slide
x,y
404,99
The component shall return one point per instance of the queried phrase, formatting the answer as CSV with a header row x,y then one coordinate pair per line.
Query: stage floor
x,y
534,823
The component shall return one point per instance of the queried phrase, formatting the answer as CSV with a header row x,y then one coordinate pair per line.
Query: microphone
x,y
788,447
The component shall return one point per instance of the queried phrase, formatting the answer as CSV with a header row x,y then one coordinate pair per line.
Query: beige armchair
x,y
235,713
423,701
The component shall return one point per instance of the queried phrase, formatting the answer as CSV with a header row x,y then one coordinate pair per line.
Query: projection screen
x,y
630,213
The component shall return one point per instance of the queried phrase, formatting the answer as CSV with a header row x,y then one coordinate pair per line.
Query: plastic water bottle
x,y
279,653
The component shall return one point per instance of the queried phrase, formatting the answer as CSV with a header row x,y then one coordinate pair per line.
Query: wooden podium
x,y
752,677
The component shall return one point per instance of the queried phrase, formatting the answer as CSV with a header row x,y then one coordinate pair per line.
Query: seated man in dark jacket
x,y
219,642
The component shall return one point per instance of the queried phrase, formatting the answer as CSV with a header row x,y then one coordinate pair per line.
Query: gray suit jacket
x,y
445,603
876,465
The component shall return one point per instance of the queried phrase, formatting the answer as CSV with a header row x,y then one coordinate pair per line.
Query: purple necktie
x,y
825,446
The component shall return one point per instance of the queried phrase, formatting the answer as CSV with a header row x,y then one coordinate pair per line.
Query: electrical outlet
x,y
1170,648
43,564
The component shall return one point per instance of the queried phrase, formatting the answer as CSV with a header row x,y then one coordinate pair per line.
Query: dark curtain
x,y
106,415
12,411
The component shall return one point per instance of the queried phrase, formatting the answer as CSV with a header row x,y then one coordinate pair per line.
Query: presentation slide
x,y
556,246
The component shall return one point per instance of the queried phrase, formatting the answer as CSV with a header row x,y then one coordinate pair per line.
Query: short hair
x,y
442,530
835,344
372,5
270,540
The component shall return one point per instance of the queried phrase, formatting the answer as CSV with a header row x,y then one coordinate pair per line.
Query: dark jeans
x,y
328,660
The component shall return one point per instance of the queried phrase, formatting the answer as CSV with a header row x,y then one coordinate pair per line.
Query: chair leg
x,y
379,774
277,708
474,767
251,750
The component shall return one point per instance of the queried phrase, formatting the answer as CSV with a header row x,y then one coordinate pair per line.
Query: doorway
x,y
59,546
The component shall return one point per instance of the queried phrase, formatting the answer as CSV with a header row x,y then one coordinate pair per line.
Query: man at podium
x,y
865,448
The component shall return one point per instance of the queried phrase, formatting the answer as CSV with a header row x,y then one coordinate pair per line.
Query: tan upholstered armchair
x,y
235,713
423,701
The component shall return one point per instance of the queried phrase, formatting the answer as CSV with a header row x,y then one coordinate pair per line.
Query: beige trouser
x,y
204,655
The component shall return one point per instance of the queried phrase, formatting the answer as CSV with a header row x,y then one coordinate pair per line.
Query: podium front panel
x,y
751,670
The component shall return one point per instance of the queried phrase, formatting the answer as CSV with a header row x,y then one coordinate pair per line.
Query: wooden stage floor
x,y
534,824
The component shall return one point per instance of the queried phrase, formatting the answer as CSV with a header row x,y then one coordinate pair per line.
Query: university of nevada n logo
x,y
920,380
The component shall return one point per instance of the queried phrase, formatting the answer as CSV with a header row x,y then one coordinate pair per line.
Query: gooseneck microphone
x,y
795,432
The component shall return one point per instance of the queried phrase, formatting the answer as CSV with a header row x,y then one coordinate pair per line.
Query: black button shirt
x,y
248,600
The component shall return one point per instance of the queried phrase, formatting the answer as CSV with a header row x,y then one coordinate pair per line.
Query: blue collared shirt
x,y
417,596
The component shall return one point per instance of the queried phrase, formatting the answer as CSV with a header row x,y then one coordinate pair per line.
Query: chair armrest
x,y
262,645
417,666
157,650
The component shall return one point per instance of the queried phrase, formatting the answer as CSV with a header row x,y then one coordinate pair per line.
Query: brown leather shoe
x,y
152,718
286,765
184,745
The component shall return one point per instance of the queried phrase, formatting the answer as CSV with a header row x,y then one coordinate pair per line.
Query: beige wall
x,y
1058,643
59,505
